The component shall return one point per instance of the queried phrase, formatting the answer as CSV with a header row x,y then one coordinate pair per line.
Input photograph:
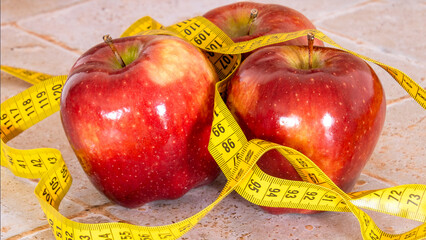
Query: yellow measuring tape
x,y
237,160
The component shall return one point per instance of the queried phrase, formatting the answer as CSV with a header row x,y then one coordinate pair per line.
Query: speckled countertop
x,y
49,35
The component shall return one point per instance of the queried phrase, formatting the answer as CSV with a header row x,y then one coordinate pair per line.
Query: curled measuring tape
x,y
317,192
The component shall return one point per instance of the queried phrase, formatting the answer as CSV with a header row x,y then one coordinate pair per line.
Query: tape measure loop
x,y
235,155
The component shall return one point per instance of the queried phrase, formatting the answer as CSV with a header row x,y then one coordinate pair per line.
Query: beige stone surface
x,y
391,26
20,209
26,50
27,8
48,36
403,134
412,67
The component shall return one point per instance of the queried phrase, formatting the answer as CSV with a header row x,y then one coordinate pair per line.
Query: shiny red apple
x,y
236,21
141,131
333,112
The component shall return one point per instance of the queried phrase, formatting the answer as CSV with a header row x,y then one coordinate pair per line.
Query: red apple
x,y
333,112
141,131
234,20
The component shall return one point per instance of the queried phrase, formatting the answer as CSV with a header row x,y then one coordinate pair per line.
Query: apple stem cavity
x,y
108,40
253,16
311,38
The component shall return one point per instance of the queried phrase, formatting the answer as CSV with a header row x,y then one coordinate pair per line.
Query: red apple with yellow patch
x,y
244,21
331,109
140,128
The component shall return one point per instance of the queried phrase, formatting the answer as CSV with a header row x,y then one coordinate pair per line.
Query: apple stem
x,y
311,38
253,16
108,40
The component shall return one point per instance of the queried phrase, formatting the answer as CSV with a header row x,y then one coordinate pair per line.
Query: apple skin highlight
x,y
141,132
333,113
234,20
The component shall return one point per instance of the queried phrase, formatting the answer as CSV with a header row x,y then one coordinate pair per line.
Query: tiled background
x,y
49,35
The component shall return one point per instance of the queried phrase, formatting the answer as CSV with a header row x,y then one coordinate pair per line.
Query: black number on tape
x,y
409,235
105,236
28,73
215,45
65,173
164,235
236,158
310,195
393,197
254,185
366,220
201,37
26,102
21,163
373,235
225,60
415,197
69,236
183,228
249,155
10,160
144,237
313,177
51,223
12,112
227,145
291,194
36,162
52,160
48,198
56,91
218,130
272,192
125,235
43,95
54,183
58,232
302,163
216,114
43,77
328,198
188,31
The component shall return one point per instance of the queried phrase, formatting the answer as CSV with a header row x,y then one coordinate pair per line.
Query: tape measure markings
x,y
247,46
25,74
254,183
55,184
189,30
214,41
242,175
407,203
20,113
7,123
250,45
221,115
140,25
163,231
299,184
15,111
410,86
